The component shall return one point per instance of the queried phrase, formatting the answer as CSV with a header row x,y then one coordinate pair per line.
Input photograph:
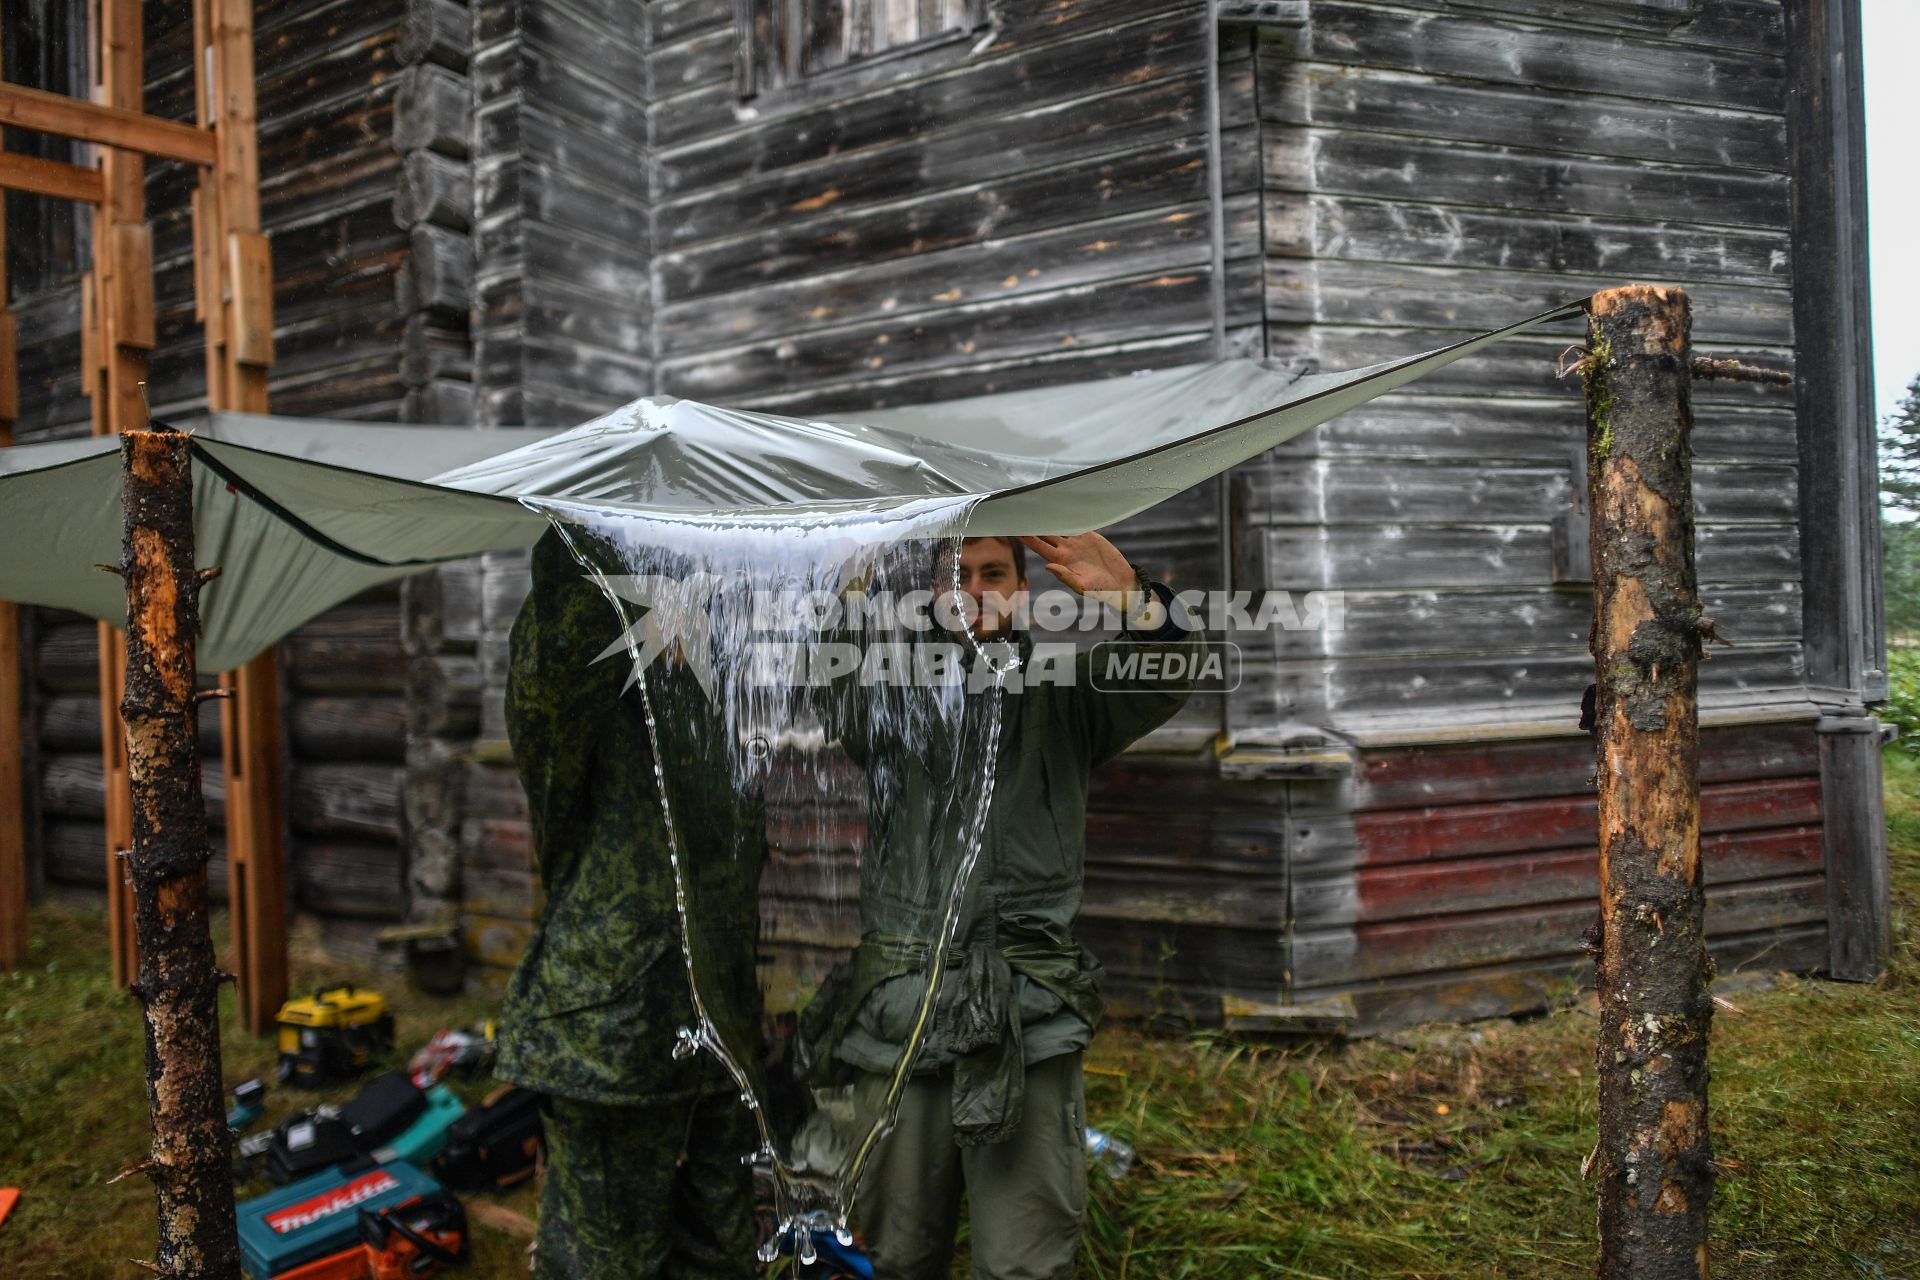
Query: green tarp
x,y
302,514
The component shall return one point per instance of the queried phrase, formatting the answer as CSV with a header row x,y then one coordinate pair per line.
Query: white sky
x,y
1891,30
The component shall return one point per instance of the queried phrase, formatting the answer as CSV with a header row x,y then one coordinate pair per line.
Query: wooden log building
x,y
527,211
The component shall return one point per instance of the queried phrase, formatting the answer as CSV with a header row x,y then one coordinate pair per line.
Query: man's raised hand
x,y
1087,562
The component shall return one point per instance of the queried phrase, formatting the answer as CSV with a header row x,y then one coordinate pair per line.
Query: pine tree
x,y
1900,455
1900,514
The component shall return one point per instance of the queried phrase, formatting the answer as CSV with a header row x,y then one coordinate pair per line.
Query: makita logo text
x,y
327,1203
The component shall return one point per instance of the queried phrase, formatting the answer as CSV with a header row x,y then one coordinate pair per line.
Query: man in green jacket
x,y
644,1176
994,1107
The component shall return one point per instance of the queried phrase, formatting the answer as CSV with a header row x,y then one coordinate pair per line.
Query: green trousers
x,y
1026,1197
634,1193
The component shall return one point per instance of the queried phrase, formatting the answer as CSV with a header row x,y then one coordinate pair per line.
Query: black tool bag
x,y
495,1145
324,1137
306,1143
381,1111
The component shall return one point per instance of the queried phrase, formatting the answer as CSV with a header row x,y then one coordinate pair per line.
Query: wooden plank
x,y
1338,292
1166,239
1361,689
1163,166
1518,366
348,799
1296,93
1511,429
1406,491
43,112
1023,31
1371,36
672,21
1753,25
1383,557
358,879
697,206
1859,878
1107,312
348,728
984,377
1410,777
1436,235
1506,882
130,301
1845,644
14,870
250,278
1536,986
1338,162
49,178
914,113
352,649
227,205
1516,619
1333,845
1369,952
9,358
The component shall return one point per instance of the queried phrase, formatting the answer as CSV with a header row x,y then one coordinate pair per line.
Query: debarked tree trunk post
x,y
1654,1162
178,984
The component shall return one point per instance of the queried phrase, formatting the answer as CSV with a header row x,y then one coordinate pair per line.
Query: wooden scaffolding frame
x,y
233,295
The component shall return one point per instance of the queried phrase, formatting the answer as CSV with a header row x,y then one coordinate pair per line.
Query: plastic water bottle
x,y
1111,1154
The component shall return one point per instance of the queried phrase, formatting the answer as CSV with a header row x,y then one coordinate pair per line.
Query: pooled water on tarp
x,y
824,725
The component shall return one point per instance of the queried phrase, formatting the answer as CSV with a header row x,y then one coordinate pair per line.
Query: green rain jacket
x,y
592,1009
1018,988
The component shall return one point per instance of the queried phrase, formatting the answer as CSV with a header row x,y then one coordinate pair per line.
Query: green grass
x,y
73,1109
1456,1151
1448,1152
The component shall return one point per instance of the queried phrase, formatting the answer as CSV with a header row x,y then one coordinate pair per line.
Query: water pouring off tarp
x,y
786,766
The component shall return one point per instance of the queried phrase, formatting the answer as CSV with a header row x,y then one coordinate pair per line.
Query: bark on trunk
x,y
1654,1163
178,985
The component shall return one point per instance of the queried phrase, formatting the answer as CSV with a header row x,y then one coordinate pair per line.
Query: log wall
x,y
1426,170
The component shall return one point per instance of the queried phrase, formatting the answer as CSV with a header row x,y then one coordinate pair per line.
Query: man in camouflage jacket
x,y
644,1175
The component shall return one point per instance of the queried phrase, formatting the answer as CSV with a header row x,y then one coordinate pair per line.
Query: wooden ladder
x,y
233,291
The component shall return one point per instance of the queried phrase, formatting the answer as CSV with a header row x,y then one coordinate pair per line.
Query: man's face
x,y
987,575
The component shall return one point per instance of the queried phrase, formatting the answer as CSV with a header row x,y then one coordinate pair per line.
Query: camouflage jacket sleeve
x,y
561,704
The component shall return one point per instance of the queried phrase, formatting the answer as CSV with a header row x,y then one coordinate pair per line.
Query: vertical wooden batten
x,y
13,807
233,289
1841,616
118,311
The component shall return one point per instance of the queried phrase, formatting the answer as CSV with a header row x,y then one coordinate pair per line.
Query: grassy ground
x,y
1449,1152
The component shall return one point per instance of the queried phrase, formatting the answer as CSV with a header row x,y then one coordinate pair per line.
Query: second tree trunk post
x,y
178,985
1654,1162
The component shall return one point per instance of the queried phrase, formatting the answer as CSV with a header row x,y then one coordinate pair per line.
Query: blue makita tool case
x,y
320,1215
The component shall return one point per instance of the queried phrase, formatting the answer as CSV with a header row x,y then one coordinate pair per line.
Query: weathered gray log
x,y
438,275
430,349
443,401
178,985
1654,1161
348,728
437,31
432,111
434,189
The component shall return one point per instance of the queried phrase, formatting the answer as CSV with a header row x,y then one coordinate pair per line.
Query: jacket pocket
x,y
569,985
